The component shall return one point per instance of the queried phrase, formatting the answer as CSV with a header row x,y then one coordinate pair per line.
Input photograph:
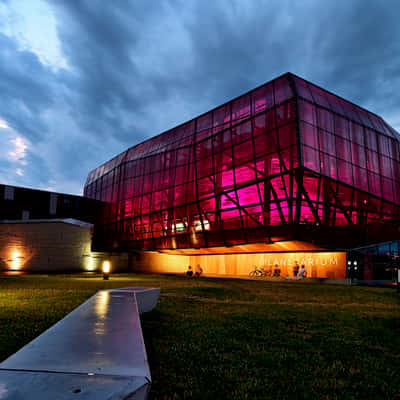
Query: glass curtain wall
x,y
279,162
221,179
351,164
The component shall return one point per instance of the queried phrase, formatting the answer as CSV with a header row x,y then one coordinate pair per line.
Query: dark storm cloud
x,y
99,43
25,89
136,68
360,47
200,54
352,48
134,63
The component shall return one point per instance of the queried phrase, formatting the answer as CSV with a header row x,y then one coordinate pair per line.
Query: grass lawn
x,y
216,338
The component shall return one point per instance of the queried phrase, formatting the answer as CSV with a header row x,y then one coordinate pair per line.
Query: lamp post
x,y
396,265
355,267
106,270
349,270
352,267
398,280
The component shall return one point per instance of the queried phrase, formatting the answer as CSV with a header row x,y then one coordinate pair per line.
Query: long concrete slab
x,y
96,352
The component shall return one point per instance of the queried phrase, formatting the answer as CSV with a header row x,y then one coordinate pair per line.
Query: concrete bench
x,y
95,352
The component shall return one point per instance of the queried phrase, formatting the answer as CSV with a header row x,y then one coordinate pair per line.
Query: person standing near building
x,y
302,272
198,271
189,271
296,268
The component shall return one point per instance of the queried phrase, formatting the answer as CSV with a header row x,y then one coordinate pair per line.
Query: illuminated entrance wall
x,y
318,264
287,160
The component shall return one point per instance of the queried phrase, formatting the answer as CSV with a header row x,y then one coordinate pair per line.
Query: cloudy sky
x,y
80,81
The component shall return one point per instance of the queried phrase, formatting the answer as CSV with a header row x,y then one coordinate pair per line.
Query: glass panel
x,y
241,132
370,137
387,189
345,172
307,112
325,119
360,178
241,108
343,148
283,91
309,135
319,96
303,89
287,136
263,98
289,158
372,161
222,118
286,113
327,142
311,159
341,127
328,165
374,183
358,155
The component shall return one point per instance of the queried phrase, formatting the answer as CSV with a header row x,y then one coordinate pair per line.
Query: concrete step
x,y
96,346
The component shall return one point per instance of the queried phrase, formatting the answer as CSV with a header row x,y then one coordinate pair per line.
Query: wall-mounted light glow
x,y
90,264
106,269
16,260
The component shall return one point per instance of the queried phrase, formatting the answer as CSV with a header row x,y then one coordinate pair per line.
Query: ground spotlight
x,y
106,270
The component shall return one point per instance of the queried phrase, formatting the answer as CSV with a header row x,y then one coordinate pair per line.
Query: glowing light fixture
x,y
106,269
16,260
180,226
90,264
198,227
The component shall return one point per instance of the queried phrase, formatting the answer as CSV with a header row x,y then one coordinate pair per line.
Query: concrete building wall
x,y
52,246
19,203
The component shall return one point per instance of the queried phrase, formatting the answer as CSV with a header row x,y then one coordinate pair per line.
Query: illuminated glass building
x,y
286,167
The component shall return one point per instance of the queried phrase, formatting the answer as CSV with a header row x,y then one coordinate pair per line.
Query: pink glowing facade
x,y
287,160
